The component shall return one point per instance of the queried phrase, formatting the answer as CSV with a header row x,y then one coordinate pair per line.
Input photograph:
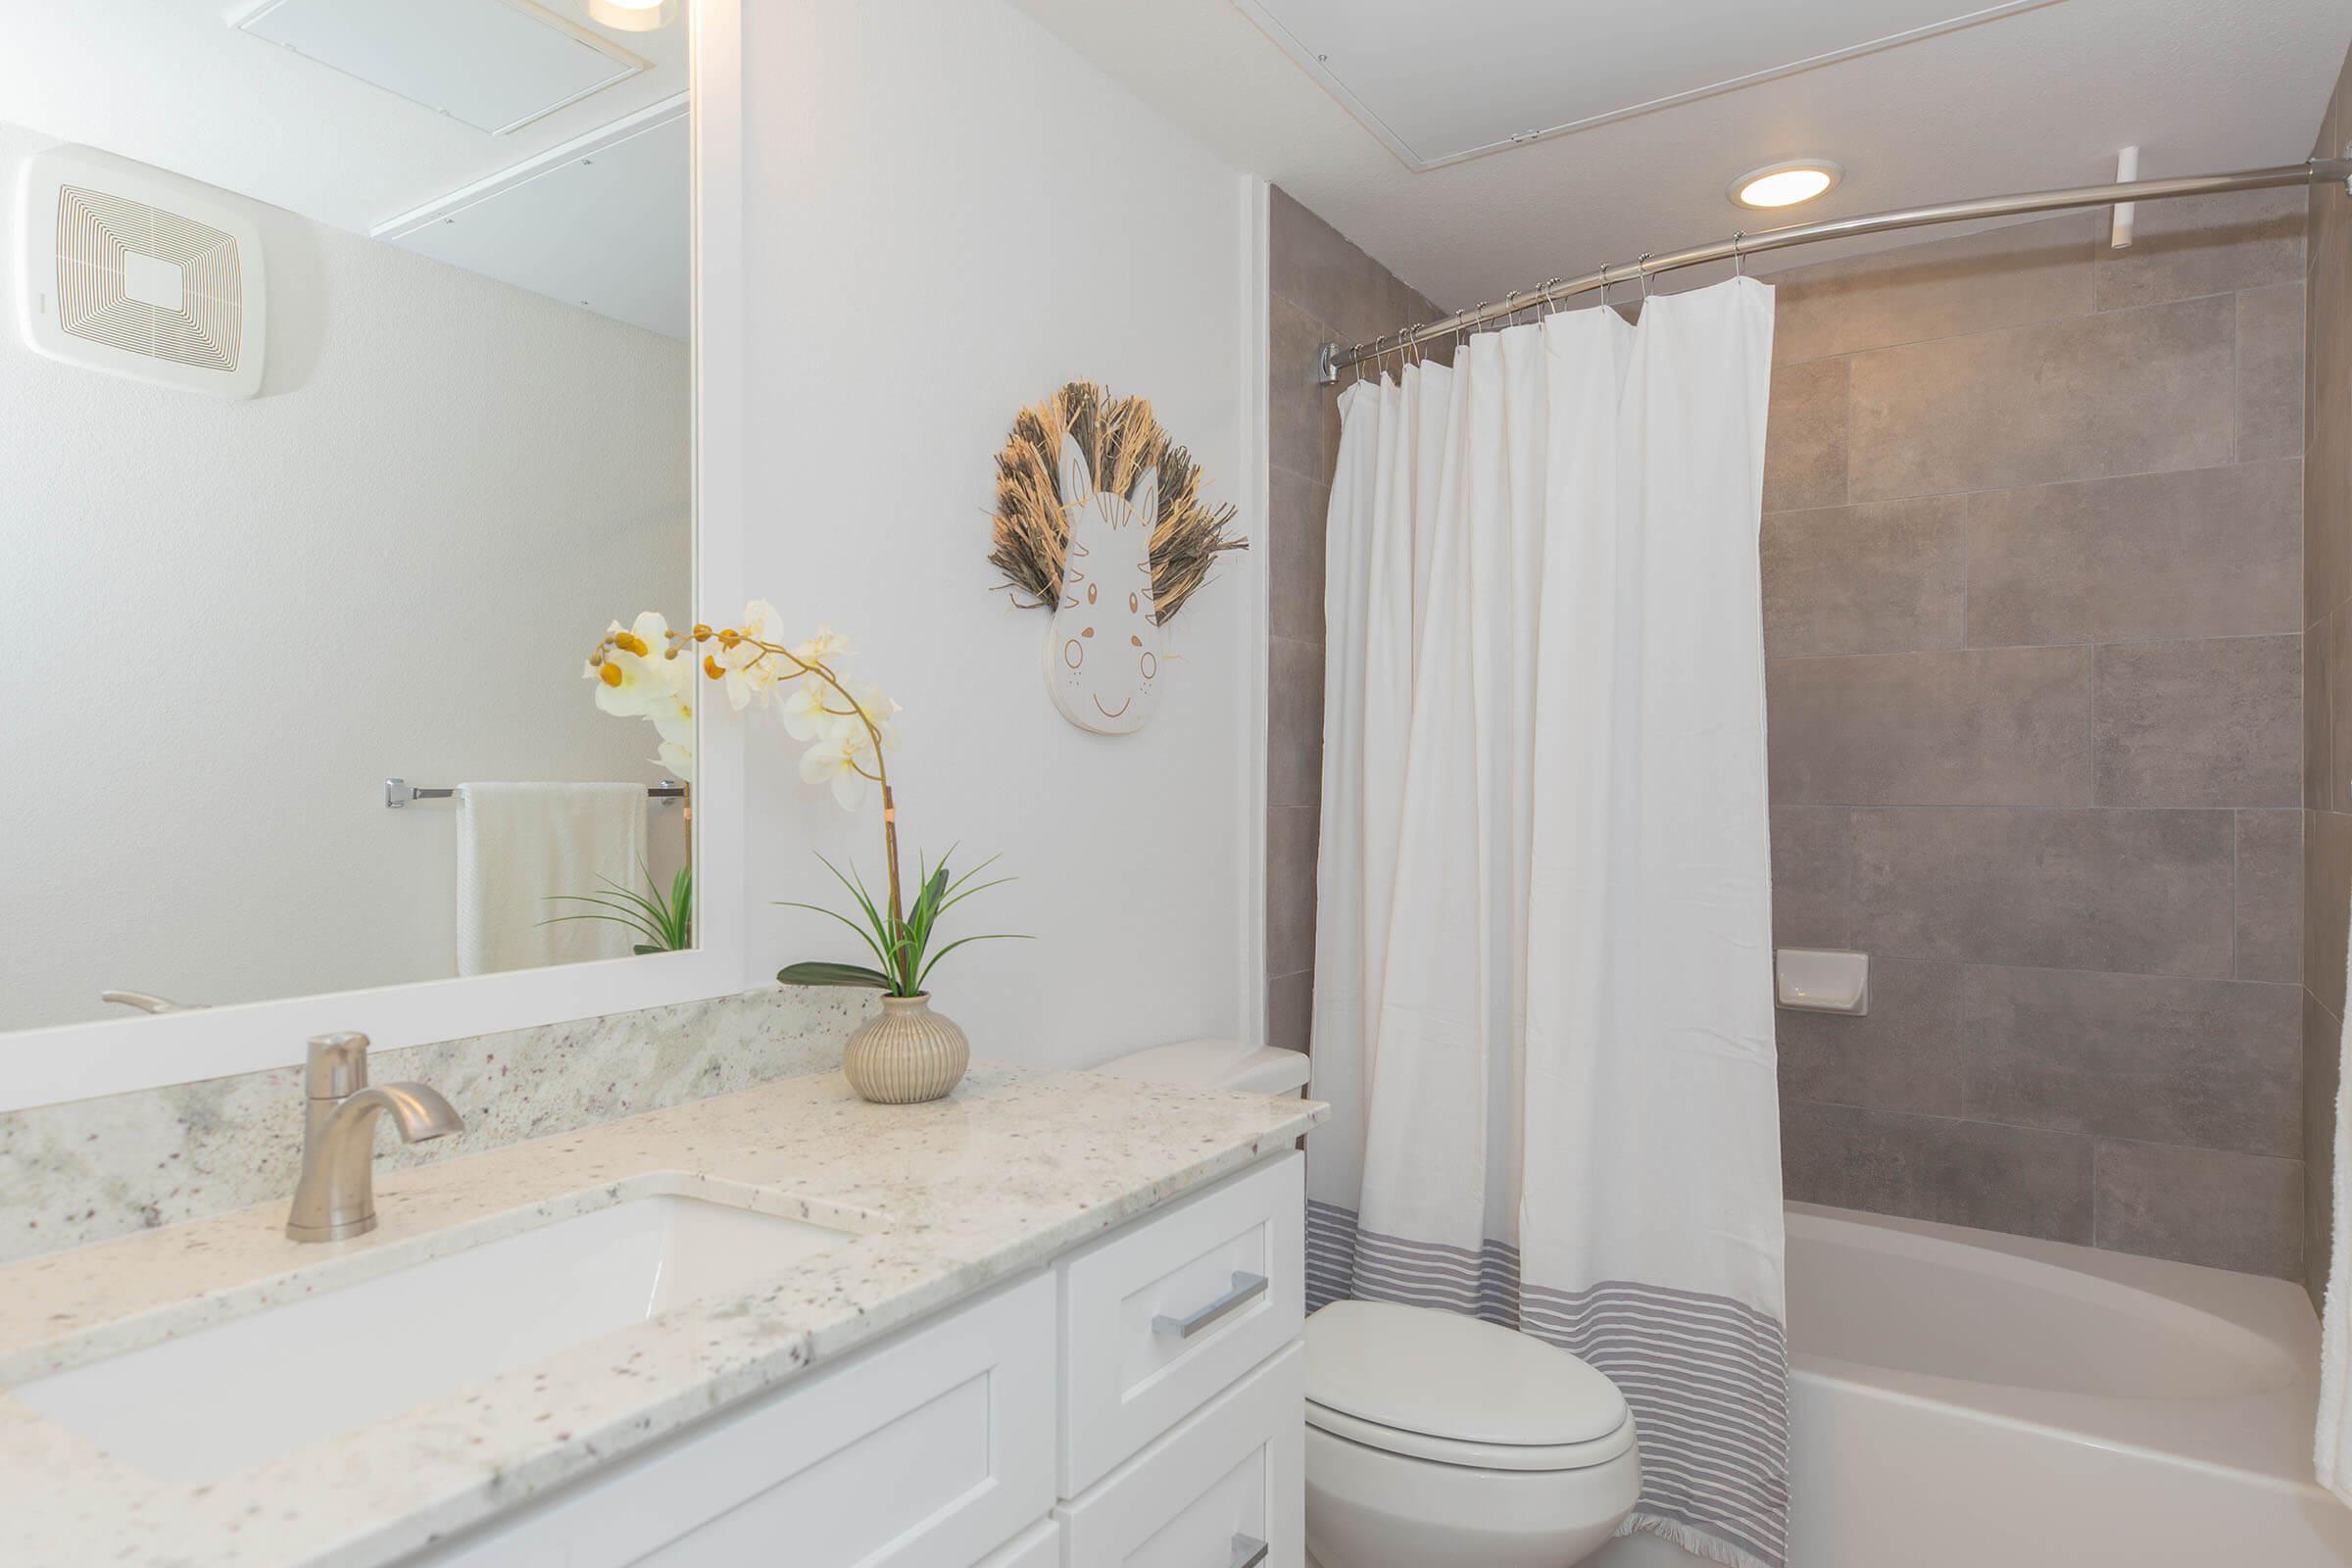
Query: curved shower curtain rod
x,y
2311,171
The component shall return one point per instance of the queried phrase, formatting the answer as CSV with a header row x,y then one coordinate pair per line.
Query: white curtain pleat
x,y
1543,1001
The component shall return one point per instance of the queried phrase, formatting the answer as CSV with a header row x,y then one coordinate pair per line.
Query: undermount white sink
x,y
222,1398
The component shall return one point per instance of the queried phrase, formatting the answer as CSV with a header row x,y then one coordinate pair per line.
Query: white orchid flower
x,y
808,713
826,647
657,680
752,671
843,760
676,753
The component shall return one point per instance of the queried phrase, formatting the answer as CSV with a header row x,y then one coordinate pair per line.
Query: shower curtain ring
x,y
1545,303
1739,260
1644,265
1511,307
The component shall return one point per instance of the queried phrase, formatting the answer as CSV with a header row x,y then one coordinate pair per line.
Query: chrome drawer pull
x,y
1247,1287
1248,1553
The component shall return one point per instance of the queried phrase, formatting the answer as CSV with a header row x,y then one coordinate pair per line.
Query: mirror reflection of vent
x,y
139,274
105,295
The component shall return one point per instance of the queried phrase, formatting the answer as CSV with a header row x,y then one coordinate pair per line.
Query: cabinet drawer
x,y
930,1451
1225,1488
1159,1318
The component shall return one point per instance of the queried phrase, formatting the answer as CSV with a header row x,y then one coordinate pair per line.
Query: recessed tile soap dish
x,y
1822,980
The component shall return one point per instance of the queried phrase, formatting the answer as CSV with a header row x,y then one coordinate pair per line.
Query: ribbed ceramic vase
x,y
908,1053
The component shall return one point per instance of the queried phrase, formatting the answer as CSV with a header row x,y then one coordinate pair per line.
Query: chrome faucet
x,y
335,1197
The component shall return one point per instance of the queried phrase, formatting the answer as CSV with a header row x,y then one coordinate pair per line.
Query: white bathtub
x,y
1964,1399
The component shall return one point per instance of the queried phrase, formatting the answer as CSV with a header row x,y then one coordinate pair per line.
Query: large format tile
x,y
2327,427
2033,404
1290,842
1888,579
1940,288
1804,437
2200,1205
1295,554
2335,793
2270,896
1905,1055
1810,876
1291,1010
1302,417
2318,703
1319,269
2133,892
2217,1063
2200,553
2205,245
1294,724
2327,904
2214,722
2323,1070
2000,726
2014,1179
2269,371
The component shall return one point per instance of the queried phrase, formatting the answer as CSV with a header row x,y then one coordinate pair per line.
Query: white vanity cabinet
x,y
1137,1403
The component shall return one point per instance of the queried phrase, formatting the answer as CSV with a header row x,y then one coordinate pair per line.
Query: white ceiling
x,y
175,85
2027,99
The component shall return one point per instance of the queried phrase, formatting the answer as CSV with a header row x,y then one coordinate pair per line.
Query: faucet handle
x,y
337,1066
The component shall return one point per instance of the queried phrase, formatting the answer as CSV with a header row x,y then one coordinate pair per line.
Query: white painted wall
x,y
948,214
229,622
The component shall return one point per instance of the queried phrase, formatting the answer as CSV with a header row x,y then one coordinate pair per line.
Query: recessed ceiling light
x,y
1785,185
631,16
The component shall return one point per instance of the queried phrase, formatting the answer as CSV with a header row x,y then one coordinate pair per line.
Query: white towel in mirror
x,y
520,843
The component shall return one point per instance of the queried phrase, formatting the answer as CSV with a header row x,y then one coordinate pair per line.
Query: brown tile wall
x,y
1325,290
2327,341
2035,581
2032,593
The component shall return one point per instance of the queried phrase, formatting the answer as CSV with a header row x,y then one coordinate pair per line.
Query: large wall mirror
x,y
346,390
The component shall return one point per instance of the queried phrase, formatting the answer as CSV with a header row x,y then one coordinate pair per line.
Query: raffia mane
x,y
1121,440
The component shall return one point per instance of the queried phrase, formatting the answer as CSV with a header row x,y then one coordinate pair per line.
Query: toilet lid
x,y
1454,1378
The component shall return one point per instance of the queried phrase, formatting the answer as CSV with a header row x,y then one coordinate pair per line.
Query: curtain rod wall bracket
x,y
1335,357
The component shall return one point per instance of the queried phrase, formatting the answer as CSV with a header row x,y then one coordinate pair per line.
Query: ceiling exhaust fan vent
x,y
139,274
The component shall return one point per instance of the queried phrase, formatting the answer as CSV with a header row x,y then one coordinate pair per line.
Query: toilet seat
x,y
1441,1387
1472,1455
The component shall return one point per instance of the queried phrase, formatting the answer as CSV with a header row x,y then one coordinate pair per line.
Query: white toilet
x,y
1433,1437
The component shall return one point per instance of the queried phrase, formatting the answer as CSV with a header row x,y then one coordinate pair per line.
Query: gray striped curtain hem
x,y
1706,1377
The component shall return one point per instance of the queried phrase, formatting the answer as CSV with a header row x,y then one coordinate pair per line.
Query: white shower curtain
x,y
1542,970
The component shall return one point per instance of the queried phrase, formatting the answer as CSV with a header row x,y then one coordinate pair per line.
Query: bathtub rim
x,y
2264,1436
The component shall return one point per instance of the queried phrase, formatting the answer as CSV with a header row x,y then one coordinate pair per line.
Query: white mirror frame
x,y
75,1062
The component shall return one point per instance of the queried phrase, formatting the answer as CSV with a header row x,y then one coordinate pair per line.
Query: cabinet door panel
x,y
1158,1317
1229,1479
929,1450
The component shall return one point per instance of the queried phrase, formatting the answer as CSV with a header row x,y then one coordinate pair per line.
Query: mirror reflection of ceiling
x,y
585,200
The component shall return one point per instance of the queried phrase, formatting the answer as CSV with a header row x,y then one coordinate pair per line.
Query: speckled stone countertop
x,y
945,1198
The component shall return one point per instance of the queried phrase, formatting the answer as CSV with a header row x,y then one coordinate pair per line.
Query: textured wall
x,y
1059,231
1324,291
2327,676
2030,574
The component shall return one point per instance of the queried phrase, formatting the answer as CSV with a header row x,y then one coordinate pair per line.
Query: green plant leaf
x,y
832,974
990,935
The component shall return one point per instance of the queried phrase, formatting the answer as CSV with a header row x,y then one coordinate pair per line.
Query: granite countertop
x,y
945,1199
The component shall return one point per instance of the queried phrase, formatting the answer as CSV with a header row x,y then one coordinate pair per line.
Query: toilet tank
x,y
1215,1065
